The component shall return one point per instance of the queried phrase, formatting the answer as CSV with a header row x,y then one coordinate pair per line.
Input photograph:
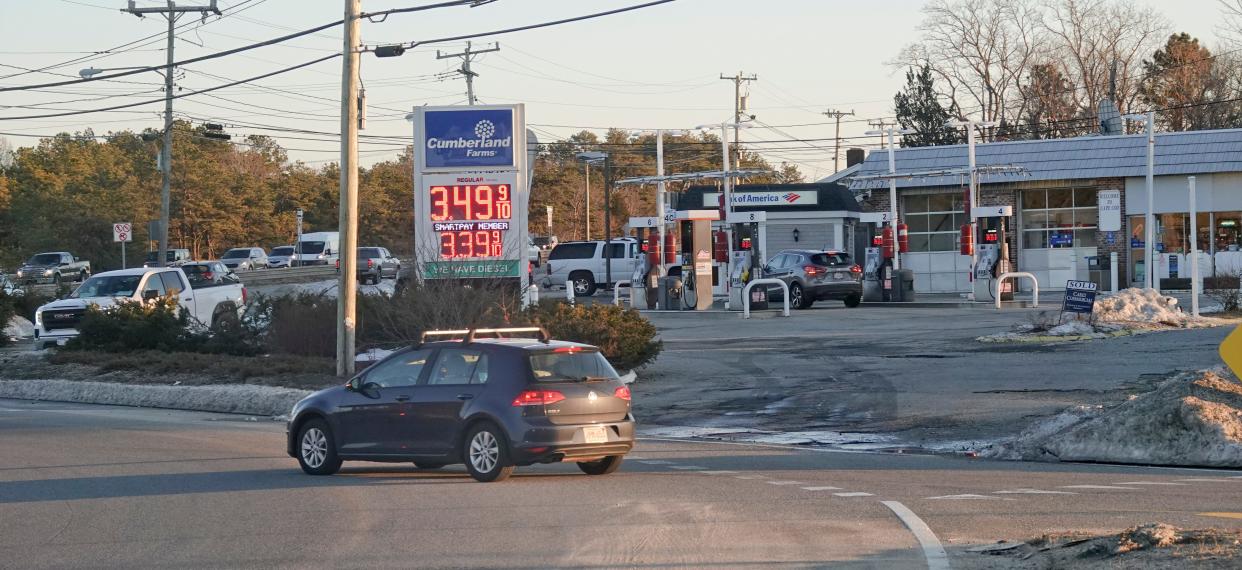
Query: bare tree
x,y
1091,36
6,153
979,52
1231,22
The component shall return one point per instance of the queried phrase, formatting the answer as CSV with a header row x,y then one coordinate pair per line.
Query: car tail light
x,y
209,275
856,268
338,264
623,392
370,263
812,271
244,294
538,398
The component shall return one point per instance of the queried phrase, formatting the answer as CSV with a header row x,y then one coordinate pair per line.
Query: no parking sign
x,y
122,232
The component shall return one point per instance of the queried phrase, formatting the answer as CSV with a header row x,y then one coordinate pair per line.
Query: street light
x,y
93,71
1149,220
974,189
587,159
892,185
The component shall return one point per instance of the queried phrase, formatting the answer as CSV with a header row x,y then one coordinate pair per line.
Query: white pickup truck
x,y
58,321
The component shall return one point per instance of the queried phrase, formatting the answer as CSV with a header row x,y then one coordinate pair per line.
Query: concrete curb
x,y
224,398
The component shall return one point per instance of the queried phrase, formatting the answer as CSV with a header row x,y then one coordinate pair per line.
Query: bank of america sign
x,y
765,199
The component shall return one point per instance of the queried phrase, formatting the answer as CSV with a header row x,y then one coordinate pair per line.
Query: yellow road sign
x,y
1231,351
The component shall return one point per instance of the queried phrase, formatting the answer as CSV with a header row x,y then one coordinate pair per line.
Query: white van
x,y
318,248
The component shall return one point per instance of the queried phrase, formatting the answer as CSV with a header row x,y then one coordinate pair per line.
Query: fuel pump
x,y
992,248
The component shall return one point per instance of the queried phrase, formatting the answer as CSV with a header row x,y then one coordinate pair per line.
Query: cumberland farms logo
x,y
483,145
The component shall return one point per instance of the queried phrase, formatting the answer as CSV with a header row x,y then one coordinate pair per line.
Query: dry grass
x,y
151,367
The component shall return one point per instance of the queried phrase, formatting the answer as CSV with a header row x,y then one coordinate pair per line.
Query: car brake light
x,y
856,268
623,392
209,275
338,264
370,263
812,270
538,398
566,349
244,293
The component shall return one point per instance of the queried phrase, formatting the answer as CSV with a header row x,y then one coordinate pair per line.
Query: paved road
x,y
915,373
97,486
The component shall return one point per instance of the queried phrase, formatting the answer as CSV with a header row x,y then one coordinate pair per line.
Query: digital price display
x,y
471,220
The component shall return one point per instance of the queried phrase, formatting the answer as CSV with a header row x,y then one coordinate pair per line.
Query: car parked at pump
x,y
584,264
58,321
280,256
490,403
244,258
815,275
173,257
374,264
53,267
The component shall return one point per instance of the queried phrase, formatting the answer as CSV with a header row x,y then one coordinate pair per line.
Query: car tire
x,y
798,298
56,279
853,300
226,312
316,452
486,452
584,283
83,276
429,465
601,466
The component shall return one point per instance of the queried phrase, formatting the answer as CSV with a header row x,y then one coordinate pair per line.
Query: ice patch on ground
x,y
1194,418
18,328
230,398
748,435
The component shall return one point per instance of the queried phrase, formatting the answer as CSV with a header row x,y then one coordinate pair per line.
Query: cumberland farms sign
x,y
468,138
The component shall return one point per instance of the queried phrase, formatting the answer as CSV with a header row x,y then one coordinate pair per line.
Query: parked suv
x,y
815,275
583,263
244,258
492,404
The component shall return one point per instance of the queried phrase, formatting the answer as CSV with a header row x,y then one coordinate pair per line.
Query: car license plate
x,y
595,434
838,275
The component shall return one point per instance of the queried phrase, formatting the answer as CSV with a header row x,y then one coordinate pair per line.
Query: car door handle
x,y
465,396
189,298
402,398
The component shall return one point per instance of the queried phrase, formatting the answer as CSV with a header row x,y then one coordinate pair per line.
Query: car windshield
x,y
45,259
368,253
284,250
830,259
107,286
312,247
570,366
236,254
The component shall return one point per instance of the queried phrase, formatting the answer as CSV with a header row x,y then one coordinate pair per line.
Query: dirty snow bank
x,y
386,287
1153,545
1194,418
232,398
1129,311
18,328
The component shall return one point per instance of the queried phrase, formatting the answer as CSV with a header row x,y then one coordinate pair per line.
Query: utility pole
x,y
466,57
172,13
880,125
347,288
836,148
739,105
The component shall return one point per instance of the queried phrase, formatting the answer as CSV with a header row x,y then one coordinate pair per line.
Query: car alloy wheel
x,y
314,448
795,296
484,452
581,286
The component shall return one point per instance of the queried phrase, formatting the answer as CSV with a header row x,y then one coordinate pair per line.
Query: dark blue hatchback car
x,y
490,403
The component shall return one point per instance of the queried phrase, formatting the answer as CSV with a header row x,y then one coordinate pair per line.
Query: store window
x,y
1059,218
934,221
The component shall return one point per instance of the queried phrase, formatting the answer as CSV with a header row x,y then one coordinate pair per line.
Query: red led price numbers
x,y
466,202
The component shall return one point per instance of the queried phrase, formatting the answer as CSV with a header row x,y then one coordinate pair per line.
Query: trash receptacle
x,y
670,293
903,285
759,298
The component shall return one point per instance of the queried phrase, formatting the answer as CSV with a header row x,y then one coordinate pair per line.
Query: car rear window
x,y
573,251
236,254
285,250
831,259
368,252
570,366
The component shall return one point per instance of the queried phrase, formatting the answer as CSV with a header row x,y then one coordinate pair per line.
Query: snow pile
x,y
1144,307
1070,328
1193,418
328,288
18,328
226,398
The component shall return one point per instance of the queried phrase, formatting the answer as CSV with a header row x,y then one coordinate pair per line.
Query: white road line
x,y
785,483
963,497
1032,492
717,472
750,476
687,467
853,494
1207,480
1103,487
821,488
655,462
933,551
634,458
1168,483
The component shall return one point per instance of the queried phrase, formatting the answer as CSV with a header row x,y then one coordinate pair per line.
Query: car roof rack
x,y
471,334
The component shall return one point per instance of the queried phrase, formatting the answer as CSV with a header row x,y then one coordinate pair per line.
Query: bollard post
x,y
1112,271
569,291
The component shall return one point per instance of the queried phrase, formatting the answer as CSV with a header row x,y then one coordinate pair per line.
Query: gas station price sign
x,y
472,220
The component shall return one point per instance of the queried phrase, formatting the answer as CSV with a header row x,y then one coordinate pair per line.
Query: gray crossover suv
x,y
815,275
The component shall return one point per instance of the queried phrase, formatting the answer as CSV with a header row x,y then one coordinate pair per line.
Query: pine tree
x,y
918,107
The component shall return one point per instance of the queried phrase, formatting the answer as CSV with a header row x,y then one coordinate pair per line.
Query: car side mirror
x,y
353,385
150,295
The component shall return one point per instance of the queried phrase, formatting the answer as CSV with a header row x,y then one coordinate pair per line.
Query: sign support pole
x,y
123,265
